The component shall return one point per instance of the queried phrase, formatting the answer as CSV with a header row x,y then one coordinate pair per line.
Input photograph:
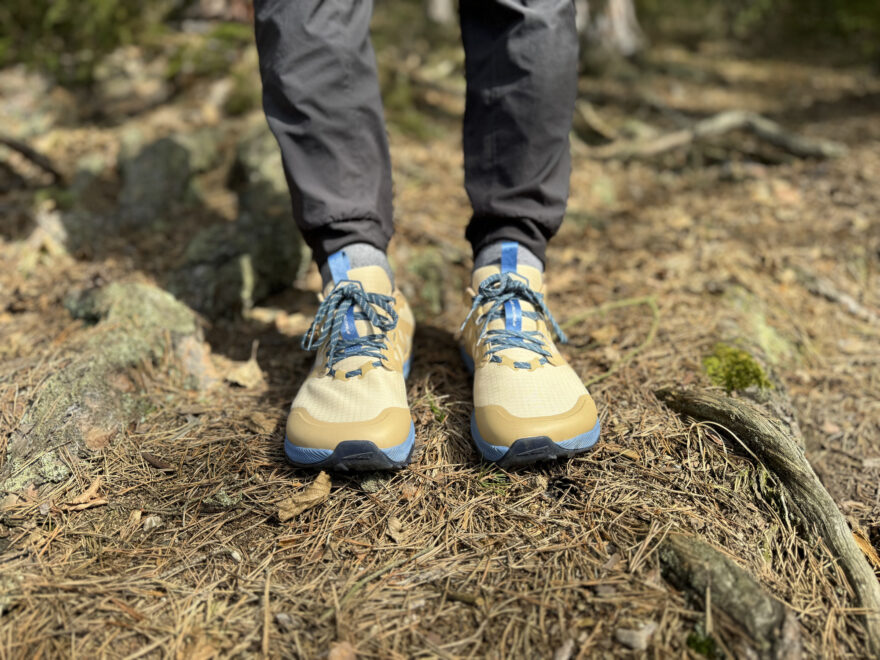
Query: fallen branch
x,y
724,122
34,156
766,439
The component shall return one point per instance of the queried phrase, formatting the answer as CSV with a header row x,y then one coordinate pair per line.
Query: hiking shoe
x,y
529,404
351,412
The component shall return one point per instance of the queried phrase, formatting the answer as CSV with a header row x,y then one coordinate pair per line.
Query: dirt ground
x,y
180,550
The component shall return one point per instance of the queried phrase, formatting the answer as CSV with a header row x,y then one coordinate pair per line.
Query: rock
x,y
157,176
637,640
152,181
228,267
83,407
151,523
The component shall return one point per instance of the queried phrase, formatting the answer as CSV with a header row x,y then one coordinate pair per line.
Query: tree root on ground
x,y
769,442
727,590
724,122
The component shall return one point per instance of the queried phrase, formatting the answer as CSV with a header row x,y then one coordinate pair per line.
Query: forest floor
x,y
179,548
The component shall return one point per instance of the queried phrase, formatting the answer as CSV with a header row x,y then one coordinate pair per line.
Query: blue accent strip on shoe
x,y
339,265
349,329
496,452
513,315
509,251
309,455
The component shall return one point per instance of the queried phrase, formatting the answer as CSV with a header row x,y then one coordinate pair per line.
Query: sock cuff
x,y
491,254
359,254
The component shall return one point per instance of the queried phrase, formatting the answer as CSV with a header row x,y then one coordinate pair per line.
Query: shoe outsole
x,y
356,455
353,455
526,451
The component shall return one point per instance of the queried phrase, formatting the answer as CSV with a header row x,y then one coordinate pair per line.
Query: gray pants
x,y
322,101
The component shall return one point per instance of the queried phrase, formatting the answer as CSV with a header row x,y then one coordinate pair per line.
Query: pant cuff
x,y
483,231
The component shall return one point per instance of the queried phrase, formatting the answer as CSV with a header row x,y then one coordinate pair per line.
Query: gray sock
x,y
360,254
491,254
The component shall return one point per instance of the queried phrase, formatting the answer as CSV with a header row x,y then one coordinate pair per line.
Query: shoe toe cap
x,y
388,429
499,427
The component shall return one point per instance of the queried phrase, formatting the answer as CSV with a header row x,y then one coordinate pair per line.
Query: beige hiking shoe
x,y
351,413
529,404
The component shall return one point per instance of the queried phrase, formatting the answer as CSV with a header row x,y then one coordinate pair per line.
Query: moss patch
x,y
734,369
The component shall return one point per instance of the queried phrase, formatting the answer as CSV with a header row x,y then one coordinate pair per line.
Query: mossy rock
x,y
86,402
229,267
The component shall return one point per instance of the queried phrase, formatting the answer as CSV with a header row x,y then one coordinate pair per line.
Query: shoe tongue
x,y
513,319
374,279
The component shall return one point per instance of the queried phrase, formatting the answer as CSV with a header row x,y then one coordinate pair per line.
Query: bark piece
x,y
87,398
768,440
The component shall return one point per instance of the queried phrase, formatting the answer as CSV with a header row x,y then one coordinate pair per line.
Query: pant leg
x,y
521,66
322,102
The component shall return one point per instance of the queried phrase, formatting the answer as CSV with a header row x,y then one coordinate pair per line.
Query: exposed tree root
x,y
727,590
767,440
724,122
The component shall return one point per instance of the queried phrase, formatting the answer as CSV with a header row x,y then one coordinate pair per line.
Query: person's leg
x,y
521,66
321,97
322,102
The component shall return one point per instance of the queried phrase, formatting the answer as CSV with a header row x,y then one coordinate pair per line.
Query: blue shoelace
x,y
334,325
498,289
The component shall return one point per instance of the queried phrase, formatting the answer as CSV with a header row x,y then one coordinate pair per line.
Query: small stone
x,y
151,523
235,555
636,639
285,622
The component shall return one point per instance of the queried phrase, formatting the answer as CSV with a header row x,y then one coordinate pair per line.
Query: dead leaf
x,y
157,462
632,454
262,423
341,651
247,374
866,547
96,438
87,499
605,335
315,493
395,529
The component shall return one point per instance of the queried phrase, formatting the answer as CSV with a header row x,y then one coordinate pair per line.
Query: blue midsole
x,y
311,455
495,452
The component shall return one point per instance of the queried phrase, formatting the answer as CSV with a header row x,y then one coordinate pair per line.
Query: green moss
x,y
704,644
734,369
